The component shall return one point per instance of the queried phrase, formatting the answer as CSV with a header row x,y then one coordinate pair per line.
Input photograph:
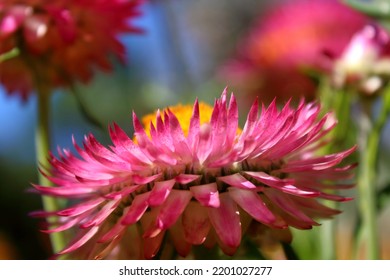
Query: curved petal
x,y
80,241
81,207
287,204
186,178
151,245
251,202
136,209
196,223
207,195
160,192
237,180
177,234
226,221
173,208
102,214
283,185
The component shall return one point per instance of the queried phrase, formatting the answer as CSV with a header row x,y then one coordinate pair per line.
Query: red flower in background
x,y
61,41
290,39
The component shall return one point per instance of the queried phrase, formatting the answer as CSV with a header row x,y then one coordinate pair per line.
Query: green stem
x,y
340,102
8,55
42,147
370,140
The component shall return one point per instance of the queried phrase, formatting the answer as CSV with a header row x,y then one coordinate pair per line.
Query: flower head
x,y
204,187
60,41
365,61
288,43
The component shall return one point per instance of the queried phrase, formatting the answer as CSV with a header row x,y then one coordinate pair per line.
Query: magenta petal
x,y
205,146
179,140
139,180
152,245
102,214
251,119
136,209
237,180
186,178
114,231
123,192
81,208
287,204
66,225
13,18
196,224
226,221
207,195
176,233
80,241
251,202
160,192
232,123
173,208
193,132
9,24
283,185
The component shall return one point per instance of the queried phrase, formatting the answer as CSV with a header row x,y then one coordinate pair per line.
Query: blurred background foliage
x,y
174,61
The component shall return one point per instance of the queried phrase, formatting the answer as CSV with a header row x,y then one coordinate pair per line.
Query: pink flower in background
x,y
61,41
288,42
365,61
205,187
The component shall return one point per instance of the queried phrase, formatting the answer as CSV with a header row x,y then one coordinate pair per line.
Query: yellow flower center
x,y
183,113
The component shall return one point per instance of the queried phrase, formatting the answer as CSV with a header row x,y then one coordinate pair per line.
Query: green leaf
x,y
8,55
373,8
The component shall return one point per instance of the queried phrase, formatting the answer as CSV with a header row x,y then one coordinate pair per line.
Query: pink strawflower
x,y
365,62
287,44
61,41
202,188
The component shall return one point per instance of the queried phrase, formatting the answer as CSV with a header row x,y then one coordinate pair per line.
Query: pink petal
x,y
186,178
123,192
176,233
160,192
151,244
114,232
140,180
207,195
80,241
196,223
170,211
226,221
81,208
102,214
67,225
283,185
136,209
133,152
251,120
319,163
232,124
237,180
251,202
287,204
14,18
67,192
194,129
205,146
179,140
